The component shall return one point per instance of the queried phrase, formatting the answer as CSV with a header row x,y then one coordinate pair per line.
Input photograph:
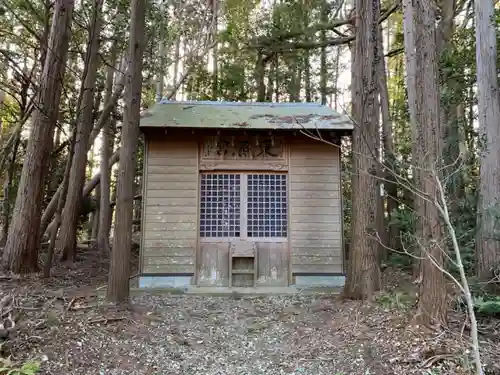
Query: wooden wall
x,y
170,214
315,207
272,260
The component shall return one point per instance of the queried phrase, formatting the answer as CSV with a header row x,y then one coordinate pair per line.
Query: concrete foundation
x,y
331,281
165,282
184,285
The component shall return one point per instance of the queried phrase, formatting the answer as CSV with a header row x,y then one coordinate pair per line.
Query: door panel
x,y
247,206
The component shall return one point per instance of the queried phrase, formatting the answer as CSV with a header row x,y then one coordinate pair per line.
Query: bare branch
x,y
466,291
276,43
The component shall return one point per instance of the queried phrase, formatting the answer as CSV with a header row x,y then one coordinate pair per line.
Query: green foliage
x,y
485,299
8,113
237,15
484,304
232,81
28,368
487,306
395,300
405,219
464,221
199,84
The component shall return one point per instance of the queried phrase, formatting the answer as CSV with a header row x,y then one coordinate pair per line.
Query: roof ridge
x,y
227,103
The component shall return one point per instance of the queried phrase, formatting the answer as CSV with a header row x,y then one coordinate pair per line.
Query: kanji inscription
x,y
243,148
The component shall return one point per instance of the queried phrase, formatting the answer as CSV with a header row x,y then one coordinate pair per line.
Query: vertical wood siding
x,y
315,208
170,217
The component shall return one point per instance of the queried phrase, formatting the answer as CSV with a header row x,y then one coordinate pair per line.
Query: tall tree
x,y
413,109
363,268
160,80
67,240
108,133
60,205
429,134
215,55
109,107
9,176
323,67
487,244
119,271
392,235
21,249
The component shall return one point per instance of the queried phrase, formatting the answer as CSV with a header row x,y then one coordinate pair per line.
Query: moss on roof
x,y
236,115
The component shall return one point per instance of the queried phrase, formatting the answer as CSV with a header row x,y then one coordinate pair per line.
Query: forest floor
x,y
64,324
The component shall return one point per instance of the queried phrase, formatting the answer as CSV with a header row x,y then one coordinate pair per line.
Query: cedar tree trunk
x,y
67,235
363,278
21,249
119,270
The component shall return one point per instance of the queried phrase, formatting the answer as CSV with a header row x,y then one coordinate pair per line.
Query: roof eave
x,y
309,128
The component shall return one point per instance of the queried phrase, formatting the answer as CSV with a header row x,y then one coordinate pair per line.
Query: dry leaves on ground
x,y
67,326
222,335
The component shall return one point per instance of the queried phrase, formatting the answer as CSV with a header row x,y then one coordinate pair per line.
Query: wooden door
x,y
243,206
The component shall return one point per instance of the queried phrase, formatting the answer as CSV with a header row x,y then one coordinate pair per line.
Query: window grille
x,y
267,205
220,205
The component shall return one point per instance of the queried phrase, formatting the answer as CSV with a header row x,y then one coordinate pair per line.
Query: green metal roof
x,y
236,115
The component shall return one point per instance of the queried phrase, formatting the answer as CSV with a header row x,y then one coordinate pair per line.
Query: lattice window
x,y
267,205
220,205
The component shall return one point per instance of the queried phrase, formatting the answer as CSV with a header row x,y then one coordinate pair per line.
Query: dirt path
x,y
191,335
65,325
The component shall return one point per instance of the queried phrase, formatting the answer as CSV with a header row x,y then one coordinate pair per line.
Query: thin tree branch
x,y
273,44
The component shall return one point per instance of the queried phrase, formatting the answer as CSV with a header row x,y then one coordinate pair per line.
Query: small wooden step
x,y
243,272
243,249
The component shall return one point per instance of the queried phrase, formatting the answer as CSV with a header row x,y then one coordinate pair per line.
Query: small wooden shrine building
x,y
242,194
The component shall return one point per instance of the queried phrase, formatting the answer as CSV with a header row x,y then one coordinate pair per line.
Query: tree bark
x,y
137,205
103,118
487,243
307,62
323,75
215,51
119,270
105,184
392,235
60,205
112,204
432,299
7,190
363,278
176,62
90,216
95,216
87,189
67,235
380,225
277,91
55,179
413,109
336,68
260,71
270,80
160,81
449,107
21,249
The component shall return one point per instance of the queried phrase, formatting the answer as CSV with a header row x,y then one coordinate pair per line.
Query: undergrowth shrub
x,y
486,302
395,300
9,368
